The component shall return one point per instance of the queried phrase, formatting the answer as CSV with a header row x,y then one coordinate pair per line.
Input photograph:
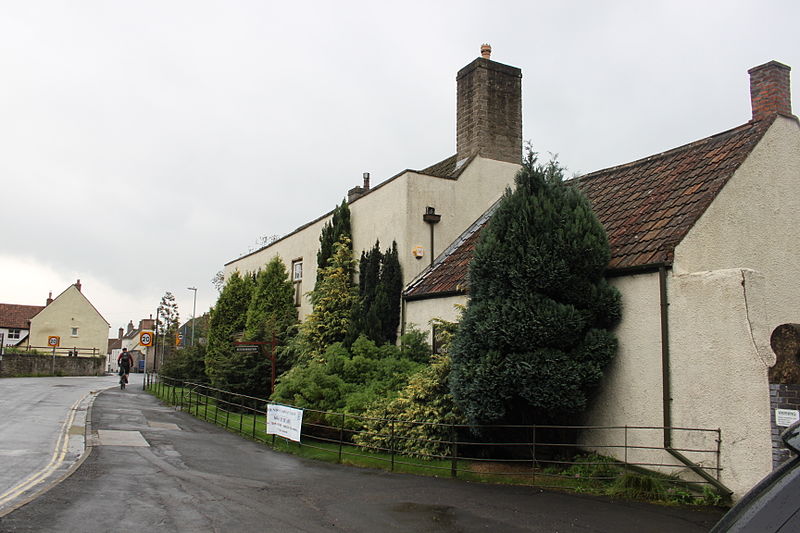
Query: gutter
x,y
667,389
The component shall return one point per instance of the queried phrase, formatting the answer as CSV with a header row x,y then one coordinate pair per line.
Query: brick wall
x,y
769,90
32,365
781,396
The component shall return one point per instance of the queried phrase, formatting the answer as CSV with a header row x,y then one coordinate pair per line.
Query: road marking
x,y
60,451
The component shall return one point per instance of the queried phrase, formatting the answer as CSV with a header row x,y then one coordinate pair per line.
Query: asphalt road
x,y
152,468
41,430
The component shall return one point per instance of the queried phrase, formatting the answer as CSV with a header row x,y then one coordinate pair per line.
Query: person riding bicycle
x,y
125,361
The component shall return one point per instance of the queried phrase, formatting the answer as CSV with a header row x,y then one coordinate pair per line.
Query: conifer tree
x,y
535,336
271,312
224,366
332,232
380,284
387,300
334,300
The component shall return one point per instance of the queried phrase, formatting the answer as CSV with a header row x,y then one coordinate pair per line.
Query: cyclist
x,y
125,361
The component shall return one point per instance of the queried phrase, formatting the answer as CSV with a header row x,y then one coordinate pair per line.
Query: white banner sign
x,y
786,417
284,421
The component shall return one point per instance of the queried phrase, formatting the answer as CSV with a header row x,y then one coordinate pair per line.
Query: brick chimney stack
x,y
769,90
489,110
49,298
121,333
78,285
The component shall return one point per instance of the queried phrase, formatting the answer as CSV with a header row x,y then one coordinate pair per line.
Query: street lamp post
x,y
194,309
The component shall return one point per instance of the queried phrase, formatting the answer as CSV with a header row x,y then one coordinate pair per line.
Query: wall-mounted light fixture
x,y
430,217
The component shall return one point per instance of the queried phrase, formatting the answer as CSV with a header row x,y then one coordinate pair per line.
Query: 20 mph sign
x,y
146,338
53,341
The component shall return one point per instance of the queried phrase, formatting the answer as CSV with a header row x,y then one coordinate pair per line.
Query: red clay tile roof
x,y
17,316
647,207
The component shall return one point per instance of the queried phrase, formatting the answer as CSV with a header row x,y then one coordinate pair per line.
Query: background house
x,y
15,322
131,338
73,318
704,250
457,189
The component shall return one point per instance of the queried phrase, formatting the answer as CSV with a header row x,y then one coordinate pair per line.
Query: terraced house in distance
x,y
704,245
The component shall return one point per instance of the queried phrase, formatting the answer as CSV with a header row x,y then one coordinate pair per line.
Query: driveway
x,y
151,467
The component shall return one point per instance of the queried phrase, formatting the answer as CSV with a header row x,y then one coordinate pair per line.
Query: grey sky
x,y
145,144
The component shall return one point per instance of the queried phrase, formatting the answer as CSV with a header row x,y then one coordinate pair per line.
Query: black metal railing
x,y
542,455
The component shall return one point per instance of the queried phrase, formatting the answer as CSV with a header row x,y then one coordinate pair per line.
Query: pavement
x,y
149,466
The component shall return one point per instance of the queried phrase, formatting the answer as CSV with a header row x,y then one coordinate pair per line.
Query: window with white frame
x,y
297,279
297,270
14,333
74,332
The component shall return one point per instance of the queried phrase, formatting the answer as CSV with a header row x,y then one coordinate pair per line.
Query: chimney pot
x,y
49,298
366,181
78,285
769,90
486,50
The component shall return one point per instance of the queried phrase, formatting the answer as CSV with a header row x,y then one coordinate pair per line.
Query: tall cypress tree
x,y
535,336
333,299
332,232
225,368
379,286
387,299
272,311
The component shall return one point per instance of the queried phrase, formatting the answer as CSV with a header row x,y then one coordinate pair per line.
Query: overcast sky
x,y
145,144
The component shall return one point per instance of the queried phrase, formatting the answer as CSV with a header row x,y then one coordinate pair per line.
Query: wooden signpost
x,y
257,346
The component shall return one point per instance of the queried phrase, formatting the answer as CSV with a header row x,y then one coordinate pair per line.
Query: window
x,y
297,270
74,332
436,339
14,333
297,279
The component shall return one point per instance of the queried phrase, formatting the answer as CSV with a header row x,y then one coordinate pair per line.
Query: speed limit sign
x,y
146,338
53,341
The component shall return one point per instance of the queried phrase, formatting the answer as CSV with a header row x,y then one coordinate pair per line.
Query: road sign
x,y
146,338
54,341
247,348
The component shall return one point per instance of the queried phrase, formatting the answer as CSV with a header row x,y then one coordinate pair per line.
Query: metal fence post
x,y
533,455
255,418
391,441
341,439
626,446
454,452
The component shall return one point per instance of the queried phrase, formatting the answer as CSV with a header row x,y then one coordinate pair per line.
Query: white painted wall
x,y
718,375
420,312
393,211
753,223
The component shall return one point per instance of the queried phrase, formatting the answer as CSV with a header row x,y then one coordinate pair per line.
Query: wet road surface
x,y
154,468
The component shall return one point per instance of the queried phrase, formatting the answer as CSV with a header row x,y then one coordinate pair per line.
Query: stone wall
x,y
32,365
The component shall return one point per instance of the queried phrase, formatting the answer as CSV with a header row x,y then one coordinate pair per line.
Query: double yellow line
x,y
57,459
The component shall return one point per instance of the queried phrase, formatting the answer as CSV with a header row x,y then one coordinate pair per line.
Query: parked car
x,y
774,504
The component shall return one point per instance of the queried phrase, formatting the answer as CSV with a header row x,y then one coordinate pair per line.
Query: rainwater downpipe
x,y
666,385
